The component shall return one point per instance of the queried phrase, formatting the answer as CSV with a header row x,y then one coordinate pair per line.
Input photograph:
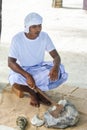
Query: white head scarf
x,y
32,19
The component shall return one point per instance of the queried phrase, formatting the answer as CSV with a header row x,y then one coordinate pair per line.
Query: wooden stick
x,y
45,96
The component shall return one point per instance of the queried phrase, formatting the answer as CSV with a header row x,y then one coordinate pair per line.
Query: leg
x,y
19,89
36,98
43,100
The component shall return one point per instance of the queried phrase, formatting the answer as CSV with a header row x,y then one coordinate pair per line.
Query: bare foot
x,y
34,101
43,100
55,113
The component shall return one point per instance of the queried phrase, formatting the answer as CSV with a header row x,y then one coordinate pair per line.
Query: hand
x,y
54,73
30,81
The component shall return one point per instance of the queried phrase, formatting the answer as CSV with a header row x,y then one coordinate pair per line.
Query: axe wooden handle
x,y
45,96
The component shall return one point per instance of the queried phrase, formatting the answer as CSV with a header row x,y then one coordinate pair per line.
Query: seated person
x,y
26,61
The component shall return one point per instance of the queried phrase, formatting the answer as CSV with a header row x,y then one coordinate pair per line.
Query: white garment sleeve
x,y
13,51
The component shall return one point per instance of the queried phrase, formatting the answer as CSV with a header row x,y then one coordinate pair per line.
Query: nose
x,y
38,28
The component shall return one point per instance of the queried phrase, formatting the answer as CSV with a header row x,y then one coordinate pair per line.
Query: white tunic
x,y
30,52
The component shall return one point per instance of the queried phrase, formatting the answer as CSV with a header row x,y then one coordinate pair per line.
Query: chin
x,y
37,35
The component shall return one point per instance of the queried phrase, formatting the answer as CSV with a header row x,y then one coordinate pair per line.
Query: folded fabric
x,y
40,74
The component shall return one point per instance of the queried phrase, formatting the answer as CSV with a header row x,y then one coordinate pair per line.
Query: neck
x,y
29,36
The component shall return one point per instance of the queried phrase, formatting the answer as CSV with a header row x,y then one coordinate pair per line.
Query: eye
x,y
34,26
37,26
40,26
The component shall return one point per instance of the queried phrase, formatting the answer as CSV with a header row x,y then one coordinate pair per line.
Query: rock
x,y
68,117
36,121
21,123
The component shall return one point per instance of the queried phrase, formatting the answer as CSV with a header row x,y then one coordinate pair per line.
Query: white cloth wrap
x,y
40,74
32,19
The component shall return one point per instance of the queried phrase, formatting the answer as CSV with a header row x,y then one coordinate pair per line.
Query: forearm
x,y
55,69
56,58
17,68
57,61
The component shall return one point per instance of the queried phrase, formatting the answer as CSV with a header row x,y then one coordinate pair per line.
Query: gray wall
x,y
85,4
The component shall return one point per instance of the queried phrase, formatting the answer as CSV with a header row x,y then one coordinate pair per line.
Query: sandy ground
x,y
67,27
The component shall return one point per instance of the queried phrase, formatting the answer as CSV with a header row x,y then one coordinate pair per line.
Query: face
x,y
34,31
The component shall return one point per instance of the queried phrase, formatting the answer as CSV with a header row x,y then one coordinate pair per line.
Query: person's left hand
x,y
53,73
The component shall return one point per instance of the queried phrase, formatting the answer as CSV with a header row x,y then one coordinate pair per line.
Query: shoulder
x,y
43,33
17,36
16,39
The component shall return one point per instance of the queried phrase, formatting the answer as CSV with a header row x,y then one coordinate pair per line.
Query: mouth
x,y
37,33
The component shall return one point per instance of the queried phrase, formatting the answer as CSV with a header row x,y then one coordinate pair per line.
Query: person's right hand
x,y
30,81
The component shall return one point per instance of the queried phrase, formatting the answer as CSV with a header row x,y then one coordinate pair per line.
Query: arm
x,y
55,69
15,67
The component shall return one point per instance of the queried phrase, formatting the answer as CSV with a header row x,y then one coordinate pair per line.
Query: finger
x,y
53,78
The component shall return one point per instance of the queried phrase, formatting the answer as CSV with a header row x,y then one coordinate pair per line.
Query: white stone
x,y
37,121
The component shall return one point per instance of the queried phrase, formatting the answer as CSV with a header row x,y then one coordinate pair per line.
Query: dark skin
x,y
34,32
